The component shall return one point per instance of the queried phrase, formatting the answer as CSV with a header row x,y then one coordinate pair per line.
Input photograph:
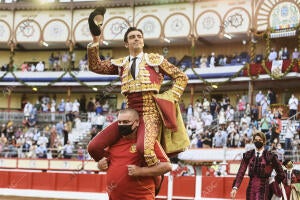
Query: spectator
x,y
3,142
38,106
194,141
75,107
68,111
26,147
271,97
276,127
203,61
99,122
66,133
254,115
212,60
65,60
53,136
233,139
82,103
77,122
205,104
83,65
189,112
41,151
229,113
221,117
293,105
264,106
285,54
245,120
59,127
80,153
51,61
272,55
207,118
105,107
27,109
241,107
265,124
296,54
280,152
90,108
213,108
40,67
259,97
98,108
289,136
219,140
24,67
207,139
43,139
53,110
68,150
32,67
61,106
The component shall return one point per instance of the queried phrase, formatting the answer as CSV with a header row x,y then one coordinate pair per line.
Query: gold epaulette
x,y
153,59
120,61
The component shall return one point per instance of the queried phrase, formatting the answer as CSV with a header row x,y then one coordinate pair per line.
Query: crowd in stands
x,y
59,61
283,54
212,60
241,58
212,124
32,139
209,123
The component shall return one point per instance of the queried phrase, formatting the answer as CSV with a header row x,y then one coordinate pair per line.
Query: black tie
x,y
257,159
132,68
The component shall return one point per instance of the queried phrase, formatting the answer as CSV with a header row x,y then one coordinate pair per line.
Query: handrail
x,y
294,116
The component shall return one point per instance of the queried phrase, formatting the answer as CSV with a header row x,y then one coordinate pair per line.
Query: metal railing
x,y
41,116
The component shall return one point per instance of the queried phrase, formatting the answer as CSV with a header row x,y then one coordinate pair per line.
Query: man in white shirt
x,y
296,54
40,67
212,60
259,97
293,105
272,55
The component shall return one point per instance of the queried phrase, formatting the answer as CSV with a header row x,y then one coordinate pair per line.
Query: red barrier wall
x,y
183,186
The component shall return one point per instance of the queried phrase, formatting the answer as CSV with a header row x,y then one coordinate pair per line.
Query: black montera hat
x,y
94,28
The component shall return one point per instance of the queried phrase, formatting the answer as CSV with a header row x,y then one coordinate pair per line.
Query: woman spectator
x,y
276,127
241,107
234,139
221,117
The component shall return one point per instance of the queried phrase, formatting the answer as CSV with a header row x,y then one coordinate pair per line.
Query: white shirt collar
x,y
260,152
139,56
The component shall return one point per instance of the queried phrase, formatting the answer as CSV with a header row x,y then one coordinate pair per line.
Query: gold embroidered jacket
x,y
152,70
